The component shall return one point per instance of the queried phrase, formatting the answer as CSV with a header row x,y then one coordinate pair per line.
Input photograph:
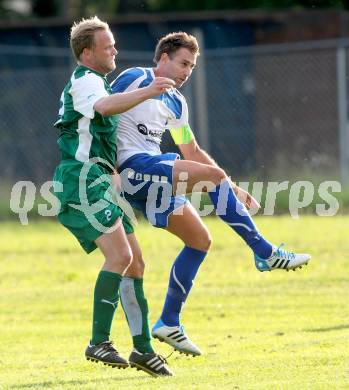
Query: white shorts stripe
x,y
167,162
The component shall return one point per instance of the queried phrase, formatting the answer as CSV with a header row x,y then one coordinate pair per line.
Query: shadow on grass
x,y
53,384
328,329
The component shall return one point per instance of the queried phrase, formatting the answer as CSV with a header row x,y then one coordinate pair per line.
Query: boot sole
x,y
142,368
187,353
287,269
113,365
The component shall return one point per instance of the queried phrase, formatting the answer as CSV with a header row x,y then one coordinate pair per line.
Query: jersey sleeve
x,y
125,80
85,91
179,128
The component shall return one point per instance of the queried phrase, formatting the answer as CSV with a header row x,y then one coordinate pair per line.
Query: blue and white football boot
x,y
281,259
176,337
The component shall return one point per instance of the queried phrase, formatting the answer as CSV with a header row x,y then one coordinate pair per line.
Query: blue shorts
x,y
147,185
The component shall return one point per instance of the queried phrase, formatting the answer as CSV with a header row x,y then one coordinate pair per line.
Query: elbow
x,y
101,107
187,155
193,154
102,110
190,151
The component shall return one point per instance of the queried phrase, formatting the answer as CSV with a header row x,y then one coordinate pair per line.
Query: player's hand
x,y
246,198
160,85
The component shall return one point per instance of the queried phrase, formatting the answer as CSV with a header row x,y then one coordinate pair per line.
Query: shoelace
x,y
284,253
161,358
164,359
109,347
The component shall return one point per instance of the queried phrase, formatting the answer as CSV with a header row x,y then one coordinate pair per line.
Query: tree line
x,y
106,8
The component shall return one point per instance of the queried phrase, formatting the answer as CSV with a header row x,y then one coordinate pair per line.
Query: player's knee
x,y
217,174
206,243
127,258
138,264
124,258
203,241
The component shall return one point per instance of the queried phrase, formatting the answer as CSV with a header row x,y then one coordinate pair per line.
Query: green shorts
x,y
79,210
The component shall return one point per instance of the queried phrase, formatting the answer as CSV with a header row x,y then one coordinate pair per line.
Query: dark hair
x,y
172,42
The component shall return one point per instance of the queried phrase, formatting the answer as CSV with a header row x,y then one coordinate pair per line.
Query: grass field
x,y
260,331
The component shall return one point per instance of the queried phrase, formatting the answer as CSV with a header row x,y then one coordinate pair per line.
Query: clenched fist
x,y
160,85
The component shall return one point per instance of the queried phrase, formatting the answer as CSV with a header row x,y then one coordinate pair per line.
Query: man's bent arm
x,y
192,151
121,102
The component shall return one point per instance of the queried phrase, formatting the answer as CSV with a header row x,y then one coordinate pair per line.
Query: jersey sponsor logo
x,y
142,129
155,133
152,135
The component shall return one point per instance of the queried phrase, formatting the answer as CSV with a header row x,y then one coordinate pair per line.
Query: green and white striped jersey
x,y
84,133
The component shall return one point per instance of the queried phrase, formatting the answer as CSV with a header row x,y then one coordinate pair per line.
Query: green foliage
x,y
278,330
6,12
110,8
44,8
105,8
186,5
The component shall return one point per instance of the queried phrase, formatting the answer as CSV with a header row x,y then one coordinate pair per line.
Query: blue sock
x,y
182,274
234,213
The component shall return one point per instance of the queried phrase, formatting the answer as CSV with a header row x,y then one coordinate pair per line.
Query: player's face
x,y
179,65
103,52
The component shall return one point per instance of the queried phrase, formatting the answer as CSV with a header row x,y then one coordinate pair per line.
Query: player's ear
x,y
164,57
86,52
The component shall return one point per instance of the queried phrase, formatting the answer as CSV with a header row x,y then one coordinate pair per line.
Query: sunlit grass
x,y
260,331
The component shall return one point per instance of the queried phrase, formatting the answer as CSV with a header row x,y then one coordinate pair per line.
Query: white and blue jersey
x,y
141,128
145,172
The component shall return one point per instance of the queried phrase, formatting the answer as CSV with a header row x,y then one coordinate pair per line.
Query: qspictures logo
x,y
300,195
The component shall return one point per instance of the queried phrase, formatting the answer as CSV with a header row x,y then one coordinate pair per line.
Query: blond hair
x,y
172,42
82,34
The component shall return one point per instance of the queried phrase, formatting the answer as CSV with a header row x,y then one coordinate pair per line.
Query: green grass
x,y
260,331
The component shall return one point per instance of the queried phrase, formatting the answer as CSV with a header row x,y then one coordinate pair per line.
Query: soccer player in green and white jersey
x,y
88,124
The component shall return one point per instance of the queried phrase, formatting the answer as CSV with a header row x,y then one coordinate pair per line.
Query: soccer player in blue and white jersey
x,y
154,183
